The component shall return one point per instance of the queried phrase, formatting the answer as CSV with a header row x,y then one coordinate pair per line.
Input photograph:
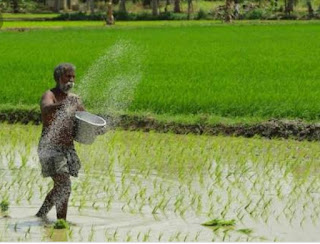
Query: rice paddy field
x,y
136,186
245,70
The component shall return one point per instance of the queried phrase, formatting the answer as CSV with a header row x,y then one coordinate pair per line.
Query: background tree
x,y
15,6
146,3
310,9
57,6
65,5
122,6
90,6
288,7
110,17
190,8
167,4
177,8
154,5
228,11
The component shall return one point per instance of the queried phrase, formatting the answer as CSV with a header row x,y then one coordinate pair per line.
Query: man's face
x,y
66,82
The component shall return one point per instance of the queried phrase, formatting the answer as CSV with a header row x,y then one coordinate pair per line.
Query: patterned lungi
x,y
56,159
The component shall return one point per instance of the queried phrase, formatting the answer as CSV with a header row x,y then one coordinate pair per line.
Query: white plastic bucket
x,y
86,127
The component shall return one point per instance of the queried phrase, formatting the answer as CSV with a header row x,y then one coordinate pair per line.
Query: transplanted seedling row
x,y
192,178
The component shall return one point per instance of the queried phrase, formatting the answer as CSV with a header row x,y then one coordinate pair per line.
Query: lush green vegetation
x,y
254,9
29,15
133,185
209,69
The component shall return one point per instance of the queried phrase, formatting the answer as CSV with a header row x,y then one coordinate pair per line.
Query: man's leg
x,y
63,183
48,203
58,196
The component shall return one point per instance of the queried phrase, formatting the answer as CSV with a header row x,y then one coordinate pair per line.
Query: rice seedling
x,y
70,234
146,236
219,222
4,205
61,224
143,180
245,231
27,232
91,234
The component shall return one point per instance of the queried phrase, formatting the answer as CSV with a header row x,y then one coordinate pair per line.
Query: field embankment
x,y
272,128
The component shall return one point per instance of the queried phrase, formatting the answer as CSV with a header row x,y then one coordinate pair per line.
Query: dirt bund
x,y
273,128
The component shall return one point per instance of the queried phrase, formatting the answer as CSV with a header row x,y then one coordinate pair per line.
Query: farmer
x,y
56,151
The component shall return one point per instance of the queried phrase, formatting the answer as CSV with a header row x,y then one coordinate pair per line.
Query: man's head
x,y
64,75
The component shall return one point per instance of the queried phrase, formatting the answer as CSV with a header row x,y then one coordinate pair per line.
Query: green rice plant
x,y
146,236
245,231
219,222
51,232
27,232
160,236
70,234
61,224
15,227
91,234
233,95
128,236
115,235
4,205
197,236
140,154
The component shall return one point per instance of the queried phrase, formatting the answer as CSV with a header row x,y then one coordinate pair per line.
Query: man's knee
x,y
62,183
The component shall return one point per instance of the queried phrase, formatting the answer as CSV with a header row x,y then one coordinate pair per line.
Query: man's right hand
x,y
73,99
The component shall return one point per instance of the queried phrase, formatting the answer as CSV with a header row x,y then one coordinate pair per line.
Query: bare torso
x,y
57,114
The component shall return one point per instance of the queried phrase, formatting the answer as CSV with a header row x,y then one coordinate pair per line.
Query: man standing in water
x,y
56,151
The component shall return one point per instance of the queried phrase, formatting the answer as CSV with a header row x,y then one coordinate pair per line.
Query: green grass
x,y
201,68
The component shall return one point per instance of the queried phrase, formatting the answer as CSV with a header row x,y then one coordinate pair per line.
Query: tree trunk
x,y
289,7
310,9
177,6
189,8
167,4
65,7
110,18
236,10
15,6
90,5
122,6
154,4
228,11
57,6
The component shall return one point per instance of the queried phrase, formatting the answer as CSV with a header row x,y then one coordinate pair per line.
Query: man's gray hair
x,y
60,69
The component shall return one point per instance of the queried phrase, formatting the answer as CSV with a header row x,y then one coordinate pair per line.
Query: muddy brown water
x,y
136,186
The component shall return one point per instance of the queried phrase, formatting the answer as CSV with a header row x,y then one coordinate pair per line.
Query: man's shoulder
x,y
48,94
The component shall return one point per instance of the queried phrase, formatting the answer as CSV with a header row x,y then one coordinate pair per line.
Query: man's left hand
x,y
101,130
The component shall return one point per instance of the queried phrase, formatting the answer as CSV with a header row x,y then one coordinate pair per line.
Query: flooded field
x,y
136,186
